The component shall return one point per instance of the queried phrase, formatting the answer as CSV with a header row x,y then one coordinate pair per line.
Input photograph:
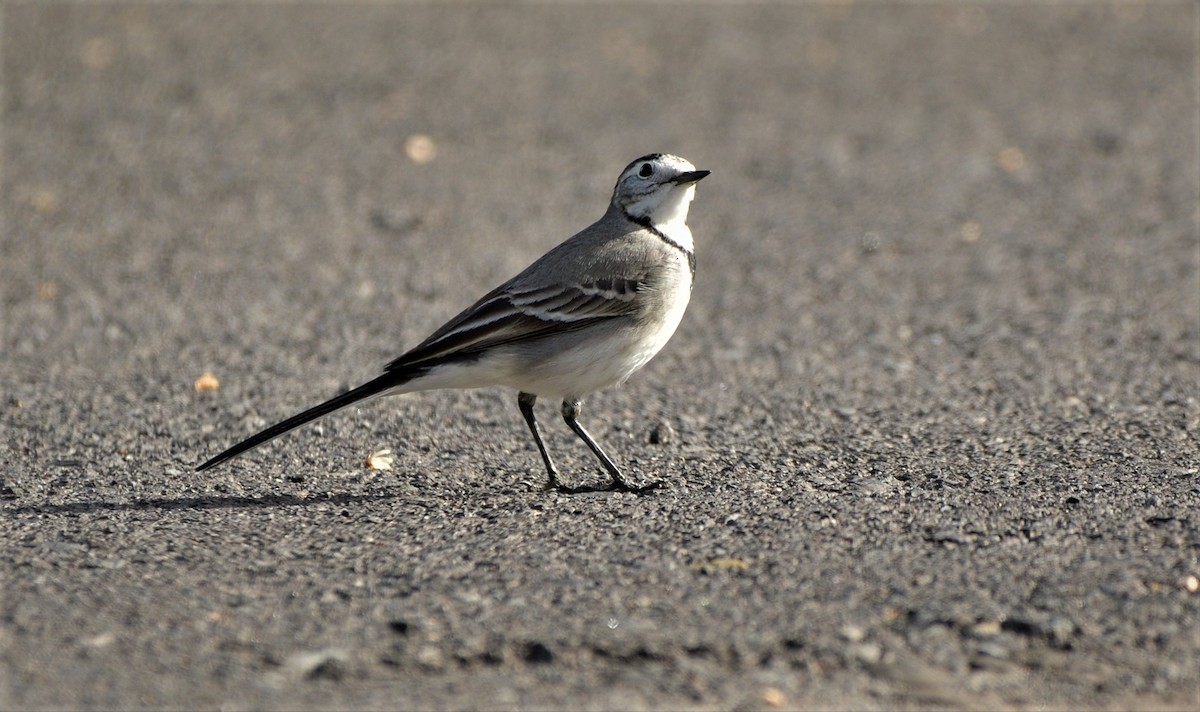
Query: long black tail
x,y
367,390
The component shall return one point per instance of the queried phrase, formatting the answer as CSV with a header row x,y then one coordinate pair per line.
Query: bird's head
x,y
656,190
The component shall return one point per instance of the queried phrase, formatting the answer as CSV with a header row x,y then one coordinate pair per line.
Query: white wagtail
x,y
586,315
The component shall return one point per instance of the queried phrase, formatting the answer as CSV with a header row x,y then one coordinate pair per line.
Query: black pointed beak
x,y
689,177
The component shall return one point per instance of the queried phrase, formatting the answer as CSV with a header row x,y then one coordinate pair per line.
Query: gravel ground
x,y
930,425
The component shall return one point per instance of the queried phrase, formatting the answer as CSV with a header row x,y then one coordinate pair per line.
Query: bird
x,y
583,317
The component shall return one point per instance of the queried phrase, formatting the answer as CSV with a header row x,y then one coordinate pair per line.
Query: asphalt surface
x,y
930,424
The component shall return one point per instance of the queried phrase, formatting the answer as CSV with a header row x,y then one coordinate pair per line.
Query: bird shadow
x,y
207,502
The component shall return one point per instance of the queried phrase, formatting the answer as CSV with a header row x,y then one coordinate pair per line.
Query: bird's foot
x,y
623,485
614,485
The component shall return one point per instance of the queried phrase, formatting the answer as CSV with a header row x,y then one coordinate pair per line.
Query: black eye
x,y
646,170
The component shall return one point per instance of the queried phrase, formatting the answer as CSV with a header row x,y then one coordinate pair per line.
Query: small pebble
x,y
206,382
430,657
773,697
662,433
328,663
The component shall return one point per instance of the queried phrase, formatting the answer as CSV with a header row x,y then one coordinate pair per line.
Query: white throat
x,y
667,211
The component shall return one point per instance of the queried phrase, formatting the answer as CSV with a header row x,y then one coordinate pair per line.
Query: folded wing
x,y
512,314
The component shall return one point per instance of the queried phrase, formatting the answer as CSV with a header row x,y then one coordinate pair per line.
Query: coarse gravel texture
x,y
930,424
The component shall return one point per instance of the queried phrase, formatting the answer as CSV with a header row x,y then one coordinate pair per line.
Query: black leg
x,y
570,413
525,402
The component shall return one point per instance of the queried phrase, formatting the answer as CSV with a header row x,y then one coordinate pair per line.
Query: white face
x,y
657,188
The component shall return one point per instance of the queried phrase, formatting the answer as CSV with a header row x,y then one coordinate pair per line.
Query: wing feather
x,y
510,314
